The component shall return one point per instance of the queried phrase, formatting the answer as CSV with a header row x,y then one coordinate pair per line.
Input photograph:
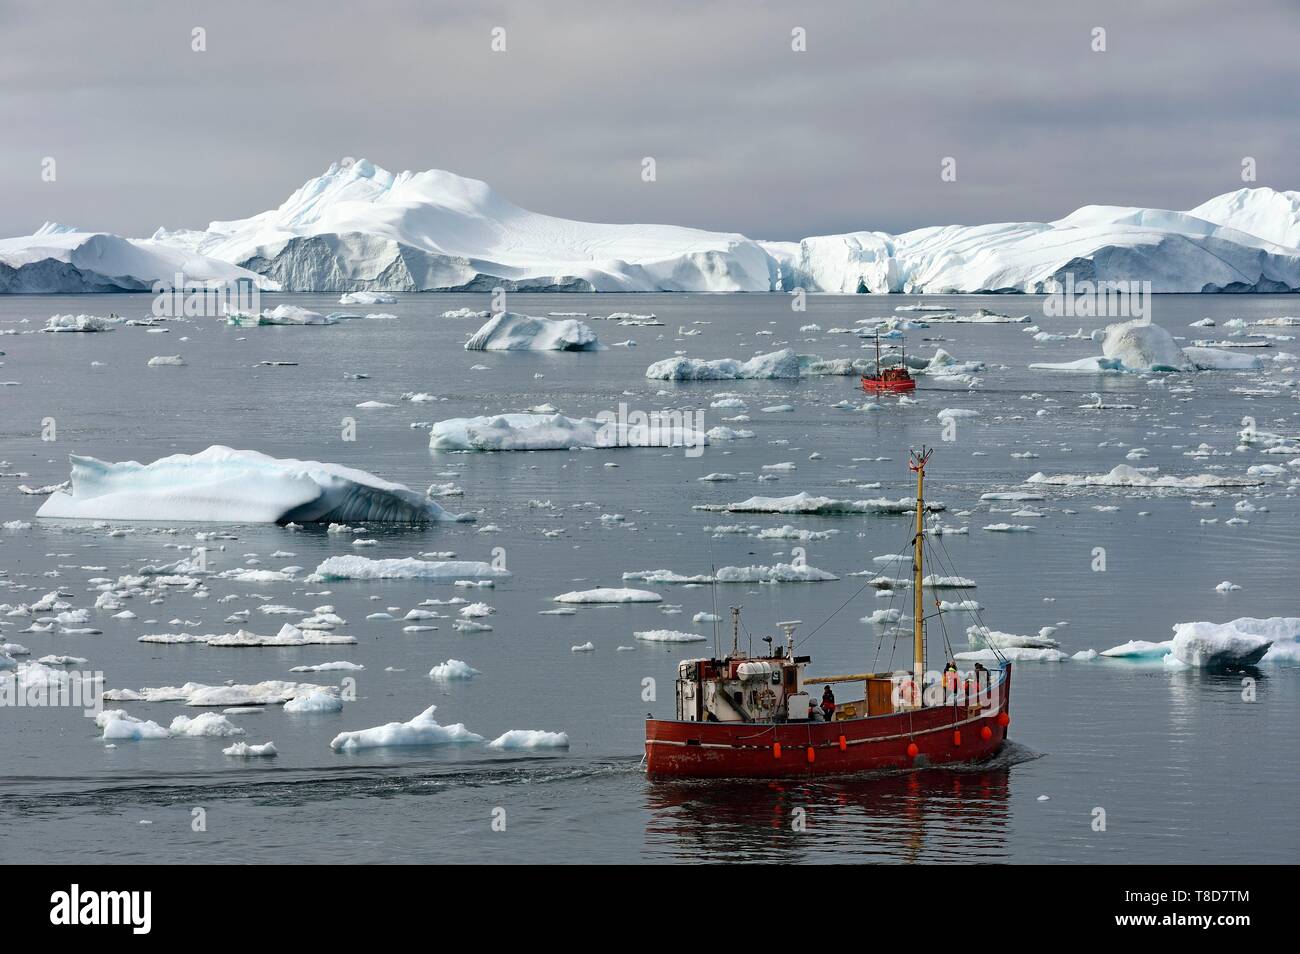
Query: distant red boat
x,y
888,380
744,716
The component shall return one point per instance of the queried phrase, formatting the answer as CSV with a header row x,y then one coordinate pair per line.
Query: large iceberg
x,y
358,227
56,259
235,486
512,332
533,432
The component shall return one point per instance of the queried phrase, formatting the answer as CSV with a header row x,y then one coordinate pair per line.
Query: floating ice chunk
x,y
363,568
281,315
532,432
235,486
1216,359
320,700
166,361
1141,346
1124,475
341,665
605,594
530,739
778,364
367,298
1139,649
205,725
79,323
669,636
980,637
805,503
120,727
422,730
1241,642
1013,653
509,331
270,692
1082,366
778,573
587,647
245,750
452,669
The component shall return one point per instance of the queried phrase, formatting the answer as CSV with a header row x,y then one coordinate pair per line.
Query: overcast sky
x,y
747,134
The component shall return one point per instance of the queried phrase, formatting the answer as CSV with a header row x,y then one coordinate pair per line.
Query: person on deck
x,y
828,703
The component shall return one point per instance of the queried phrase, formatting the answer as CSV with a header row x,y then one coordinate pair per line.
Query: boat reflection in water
x,y
954,814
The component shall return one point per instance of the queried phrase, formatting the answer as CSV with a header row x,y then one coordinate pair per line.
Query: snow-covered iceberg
x,y
57,259
509,331
535,432
235,486
1241,642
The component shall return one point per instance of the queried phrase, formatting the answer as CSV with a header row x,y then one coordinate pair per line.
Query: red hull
x,y
879,386
942,735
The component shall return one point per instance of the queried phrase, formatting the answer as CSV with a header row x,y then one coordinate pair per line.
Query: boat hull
x,y
941,735
878,386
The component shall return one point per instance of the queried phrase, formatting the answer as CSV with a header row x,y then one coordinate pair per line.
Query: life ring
x,y
765,699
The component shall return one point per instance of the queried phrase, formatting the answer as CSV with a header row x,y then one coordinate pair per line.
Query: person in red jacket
x,y
828,703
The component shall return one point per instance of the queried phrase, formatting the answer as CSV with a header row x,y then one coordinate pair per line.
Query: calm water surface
x,y
1185,770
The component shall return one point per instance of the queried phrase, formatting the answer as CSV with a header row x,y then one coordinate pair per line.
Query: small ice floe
x,y
166,361
509,331
205,725
530,739
883,617
609,595
778,364
980,637
1122,475
452,670
1008,528
367,298
1227,586
246,750
533,432
79,323
805,503
222,485
340,665
587,647
270,692
706,618
321,700
421,730
119,727
409,568
669,636
935,581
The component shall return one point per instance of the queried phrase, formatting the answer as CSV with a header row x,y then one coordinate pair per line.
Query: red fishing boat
x,y
888,380
752,716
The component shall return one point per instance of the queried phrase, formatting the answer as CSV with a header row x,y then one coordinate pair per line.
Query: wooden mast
x,y
918,602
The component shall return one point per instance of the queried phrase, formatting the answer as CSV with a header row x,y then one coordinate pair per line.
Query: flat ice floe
x,y
223,485
408,568
422,730
535,432
778,573
270,692
288,636
1141,346
367,298
1124,475
509,331
778,364
805,503
530,739
606,594
669,636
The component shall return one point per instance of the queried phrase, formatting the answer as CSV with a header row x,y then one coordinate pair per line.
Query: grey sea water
x,y
1184,769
